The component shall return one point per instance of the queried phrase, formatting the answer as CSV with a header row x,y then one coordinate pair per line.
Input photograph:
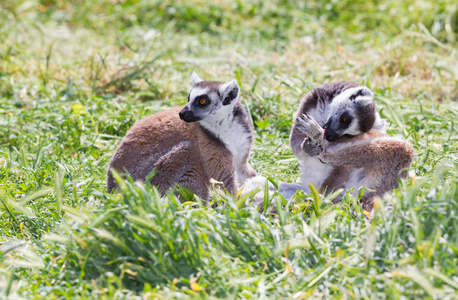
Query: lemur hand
x,y
314,143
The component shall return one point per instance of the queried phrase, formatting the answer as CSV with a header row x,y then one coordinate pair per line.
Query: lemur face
x,y
209,100
352,113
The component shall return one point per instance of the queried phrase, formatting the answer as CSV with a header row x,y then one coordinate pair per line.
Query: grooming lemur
x,y
212,140
341,142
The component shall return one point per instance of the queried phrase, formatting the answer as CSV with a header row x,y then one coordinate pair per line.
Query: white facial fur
x,y
344,102
213,112
343,99
199,91
218,117
353,129
218,109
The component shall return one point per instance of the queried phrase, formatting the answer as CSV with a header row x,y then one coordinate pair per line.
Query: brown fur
x,y
383,158
182,153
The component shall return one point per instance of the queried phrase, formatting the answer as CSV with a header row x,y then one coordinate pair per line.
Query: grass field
x,y
75,76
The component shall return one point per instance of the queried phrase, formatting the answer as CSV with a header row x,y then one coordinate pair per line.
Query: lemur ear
x,y
230,91
195,78
363,96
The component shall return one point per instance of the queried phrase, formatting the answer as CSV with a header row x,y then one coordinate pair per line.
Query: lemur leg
x,y
221,167
195,183
244,171
382,159
111,182
383,152
181,166
314,143
367,201
336,180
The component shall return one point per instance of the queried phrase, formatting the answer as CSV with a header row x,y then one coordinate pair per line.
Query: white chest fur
x,y
237,140
234,136
314,172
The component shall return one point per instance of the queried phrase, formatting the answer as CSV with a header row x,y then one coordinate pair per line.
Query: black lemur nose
x,y
187,115
330,136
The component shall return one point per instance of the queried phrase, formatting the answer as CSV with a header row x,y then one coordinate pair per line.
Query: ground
x,y
75,76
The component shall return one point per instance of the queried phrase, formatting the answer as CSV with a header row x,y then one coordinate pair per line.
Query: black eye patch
x,y
345,120
201,101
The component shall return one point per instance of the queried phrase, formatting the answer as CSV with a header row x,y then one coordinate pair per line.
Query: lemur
x,y
341,142
210,137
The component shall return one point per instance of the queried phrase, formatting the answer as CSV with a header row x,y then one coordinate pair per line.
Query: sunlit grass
x,y
75,77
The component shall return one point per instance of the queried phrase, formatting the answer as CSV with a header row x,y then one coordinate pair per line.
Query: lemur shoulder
x,y
210,137
341,142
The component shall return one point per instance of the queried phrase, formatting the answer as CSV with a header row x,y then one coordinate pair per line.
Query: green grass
x,y
74,77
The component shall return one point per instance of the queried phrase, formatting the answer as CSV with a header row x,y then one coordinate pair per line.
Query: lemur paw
x,y
325,156
311,148
314,144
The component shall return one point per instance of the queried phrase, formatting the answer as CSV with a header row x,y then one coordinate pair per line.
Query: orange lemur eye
x,y
345,119
202,101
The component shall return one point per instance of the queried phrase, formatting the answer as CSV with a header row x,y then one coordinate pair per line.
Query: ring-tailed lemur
x,y
341,142
210,137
